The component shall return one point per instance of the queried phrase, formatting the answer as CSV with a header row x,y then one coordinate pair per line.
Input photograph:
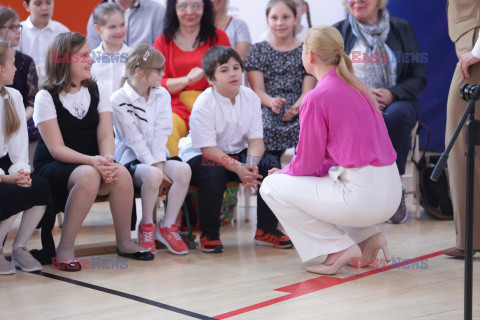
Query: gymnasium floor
x,y
246,281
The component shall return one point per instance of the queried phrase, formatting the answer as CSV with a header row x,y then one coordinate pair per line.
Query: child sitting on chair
x,y
226,144
142,115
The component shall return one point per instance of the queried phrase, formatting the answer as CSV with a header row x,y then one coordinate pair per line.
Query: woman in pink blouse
x,y
343,179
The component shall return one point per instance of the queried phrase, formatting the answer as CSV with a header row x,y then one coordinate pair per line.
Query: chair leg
x,y
248,194
157,205
191,243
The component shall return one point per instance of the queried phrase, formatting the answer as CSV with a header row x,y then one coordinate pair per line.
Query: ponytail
x,y
327,44
122,82
12,121
345,71
309,18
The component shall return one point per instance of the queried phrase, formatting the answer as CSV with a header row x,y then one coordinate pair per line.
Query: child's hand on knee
x,y
22,179
165,185
106,170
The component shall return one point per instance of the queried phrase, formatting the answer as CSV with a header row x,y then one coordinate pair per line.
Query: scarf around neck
x,y
377,75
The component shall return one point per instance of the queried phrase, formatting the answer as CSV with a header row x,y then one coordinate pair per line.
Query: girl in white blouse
x,y
75,152
19,190
111,55
142,116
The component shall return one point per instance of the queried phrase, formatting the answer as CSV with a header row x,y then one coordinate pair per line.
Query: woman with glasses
x,y
386,56
26,79
188,34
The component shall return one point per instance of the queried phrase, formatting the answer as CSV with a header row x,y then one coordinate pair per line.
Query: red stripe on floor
x,y
320,283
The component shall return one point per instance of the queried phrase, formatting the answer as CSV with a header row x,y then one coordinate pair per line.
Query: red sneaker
x,y
145,237
171,239
275,238
211,244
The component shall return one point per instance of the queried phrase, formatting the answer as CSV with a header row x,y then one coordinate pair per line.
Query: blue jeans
x,y
400,117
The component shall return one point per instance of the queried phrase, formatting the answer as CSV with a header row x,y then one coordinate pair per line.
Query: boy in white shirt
x,y
38,32
226,144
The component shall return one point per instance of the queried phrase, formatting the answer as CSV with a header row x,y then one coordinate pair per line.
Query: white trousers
x,y
331,213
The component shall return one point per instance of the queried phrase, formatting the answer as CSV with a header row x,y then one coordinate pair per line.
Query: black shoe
x,y
139,255
42,256
73,266
211,244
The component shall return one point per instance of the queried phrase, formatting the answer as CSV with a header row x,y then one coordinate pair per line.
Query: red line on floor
x,y
320,283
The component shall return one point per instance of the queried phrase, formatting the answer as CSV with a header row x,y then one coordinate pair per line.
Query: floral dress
x,y
283,74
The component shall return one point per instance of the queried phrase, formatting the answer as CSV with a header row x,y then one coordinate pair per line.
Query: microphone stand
x,y
473,139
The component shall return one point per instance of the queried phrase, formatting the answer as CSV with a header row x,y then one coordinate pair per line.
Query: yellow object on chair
x,y
179,126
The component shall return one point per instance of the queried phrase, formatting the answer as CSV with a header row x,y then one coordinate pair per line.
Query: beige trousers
x,y
457,162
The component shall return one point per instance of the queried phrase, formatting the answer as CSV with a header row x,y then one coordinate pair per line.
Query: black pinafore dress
x,y
79,135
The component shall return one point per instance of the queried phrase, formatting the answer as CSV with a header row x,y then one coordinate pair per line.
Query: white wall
x,y
253,13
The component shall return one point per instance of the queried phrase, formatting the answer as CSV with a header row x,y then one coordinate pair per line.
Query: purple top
x,y
26,81
339,127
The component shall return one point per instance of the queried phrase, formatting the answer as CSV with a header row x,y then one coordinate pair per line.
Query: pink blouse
x,y
339,127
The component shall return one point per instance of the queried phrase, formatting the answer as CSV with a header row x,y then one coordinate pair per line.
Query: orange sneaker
x,y
171,239
275,238
145,237
211,244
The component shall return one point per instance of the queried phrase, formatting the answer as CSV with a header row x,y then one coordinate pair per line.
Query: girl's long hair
x,y
327,43
58,62
288,3
7,14
309,18
207,23
12,121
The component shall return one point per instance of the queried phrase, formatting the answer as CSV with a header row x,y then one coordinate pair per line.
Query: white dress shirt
x,y
216,122
76,103
16,146
108,69
142,127
35,42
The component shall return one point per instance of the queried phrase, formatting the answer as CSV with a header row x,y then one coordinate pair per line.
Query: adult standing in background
x,y
236,29
386,56
143,18
189,33
463,27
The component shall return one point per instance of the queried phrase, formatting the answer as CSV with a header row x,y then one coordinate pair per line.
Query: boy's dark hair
x,y
27,1
216,56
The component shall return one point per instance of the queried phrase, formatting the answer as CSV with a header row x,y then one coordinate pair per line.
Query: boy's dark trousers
x,y
211,179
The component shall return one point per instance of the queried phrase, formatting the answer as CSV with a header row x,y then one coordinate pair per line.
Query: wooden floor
x,y
244,282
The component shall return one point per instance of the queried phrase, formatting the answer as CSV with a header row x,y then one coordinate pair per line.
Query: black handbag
x,y
434,195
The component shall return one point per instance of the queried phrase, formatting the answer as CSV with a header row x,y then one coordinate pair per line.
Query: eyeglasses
x,y
17,27
196,6
353,1
159,70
